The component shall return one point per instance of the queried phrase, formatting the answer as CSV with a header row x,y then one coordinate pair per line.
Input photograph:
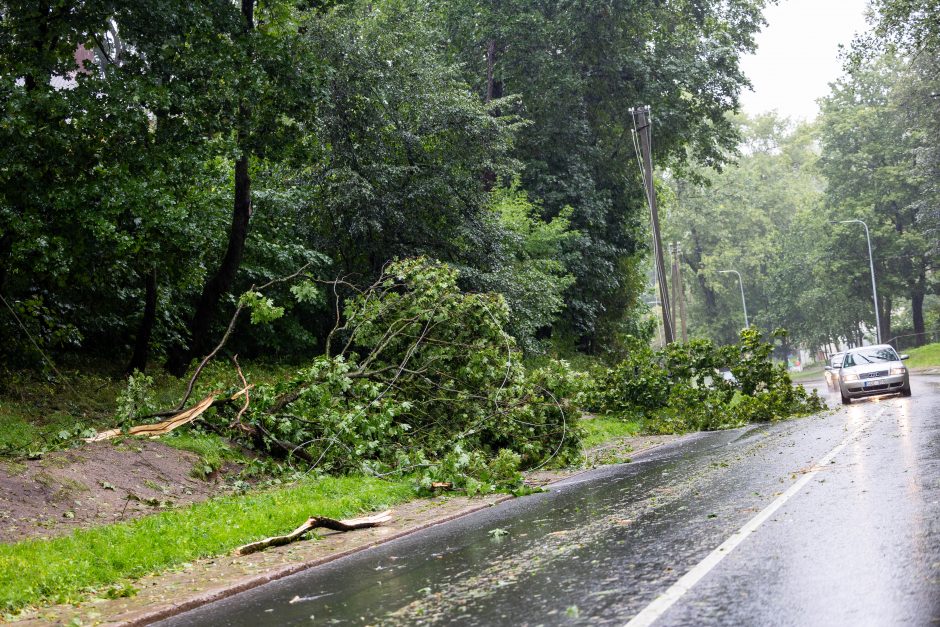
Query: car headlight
x,y
899,370
850,377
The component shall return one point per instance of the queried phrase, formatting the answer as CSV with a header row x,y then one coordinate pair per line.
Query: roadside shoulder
x,y
204,581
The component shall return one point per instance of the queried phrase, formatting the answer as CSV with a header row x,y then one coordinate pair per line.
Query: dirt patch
x,y
96,484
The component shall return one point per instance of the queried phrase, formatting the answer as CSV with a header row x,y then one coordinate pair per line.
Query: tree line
x,y
162,157
779,213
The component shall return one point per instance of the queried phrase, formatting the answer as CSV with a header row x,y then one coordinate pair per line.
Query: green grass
x,y
212,449
101,560
924,357
602,429
809,374
42,413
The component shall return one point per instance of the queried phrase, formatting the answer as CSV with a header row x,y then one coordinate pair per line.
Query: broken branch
x,y
312,523
180,419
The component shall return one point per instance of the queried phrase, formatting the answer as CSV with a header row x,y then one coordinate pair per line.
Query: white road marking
x,y
657,608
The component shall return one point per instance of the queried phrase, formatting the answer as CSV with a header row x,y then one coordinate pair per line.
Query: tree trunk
x,y
222,281
917,311
493,90
490,65
6,246
224,277
918,290
145,330
694,262
886,318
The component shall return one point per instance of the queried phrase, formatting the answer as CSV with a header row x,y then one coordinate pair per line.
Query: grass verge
x,y
601,429
213,450
809,374
924,357
41,413
100,561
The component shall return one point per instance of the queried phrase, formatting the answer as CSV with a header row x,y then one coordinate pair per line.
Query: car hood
x,y
878,367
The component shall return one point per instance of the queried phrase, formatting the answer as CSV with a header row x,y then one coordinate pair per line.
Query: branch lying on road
x,y
312,523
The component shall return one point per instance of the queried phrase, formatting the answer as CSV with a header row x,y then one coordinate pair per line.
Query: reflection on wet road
x,y
858,544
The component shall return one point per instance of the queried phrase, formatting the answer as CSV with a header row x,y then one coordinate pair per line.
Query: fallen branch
x,y
241,412
180,419
225,336
312,523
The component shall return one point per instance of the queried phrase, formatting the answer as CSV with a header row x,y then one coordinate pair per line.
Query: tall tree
x,y
756,216
869,161
574,70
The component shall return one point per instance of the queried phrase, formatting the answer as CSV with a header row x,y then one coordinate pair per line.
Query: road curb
x,y
292,569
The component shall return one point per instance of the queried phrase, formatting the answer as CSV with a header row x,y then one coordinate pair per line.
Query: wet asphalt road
x,y
858,544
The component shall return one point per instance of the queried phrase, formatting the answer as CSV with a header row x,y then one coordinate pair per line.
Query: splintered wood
x,y
313,523
162,428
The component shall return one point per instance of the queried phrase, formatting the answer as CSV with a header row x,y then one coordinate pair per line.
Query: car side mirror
x,y
903,357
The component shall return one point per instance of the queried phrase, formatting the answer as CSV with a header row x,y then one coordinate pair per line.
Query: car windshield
x,y
870,356
836,360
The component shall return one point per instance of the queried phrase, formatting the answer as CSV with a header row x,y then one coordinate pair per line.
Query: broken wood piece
x,y
442,485
162,428
312,523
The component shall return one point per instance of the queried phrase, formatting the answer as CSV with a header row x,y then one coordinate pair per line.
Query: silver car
x,y
872,370
832,371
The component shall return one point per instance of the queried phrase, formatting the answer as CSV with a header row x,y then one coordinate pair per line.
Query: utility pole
x,y
678,292
643,134
673,280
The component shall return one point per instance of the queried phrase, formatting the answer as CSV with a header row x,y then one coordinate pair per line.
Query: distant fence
x,y
904,342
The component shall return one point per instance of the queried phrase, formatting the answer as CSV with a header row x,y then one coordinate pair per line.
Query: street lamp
x,y
747,325
871,266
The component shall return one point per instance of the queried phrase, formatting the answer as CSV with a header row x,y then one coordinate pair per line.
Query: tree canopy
x,y
161,157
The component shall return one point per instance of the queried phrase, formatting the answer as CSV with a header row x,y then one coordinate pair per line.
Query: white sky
x,y
798,54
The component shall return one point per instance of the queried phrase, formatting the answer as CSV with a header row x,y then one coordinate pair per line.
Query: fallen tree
x,y
417,376
679,388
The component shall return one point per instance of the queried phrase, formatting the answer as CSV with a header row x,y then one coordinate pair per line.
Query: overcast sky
x,y
798,54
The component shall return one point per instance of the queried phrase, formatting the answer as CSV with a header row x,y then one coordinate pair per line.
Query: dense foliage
x,y
420,376
681,388
774,216
458,183
161,157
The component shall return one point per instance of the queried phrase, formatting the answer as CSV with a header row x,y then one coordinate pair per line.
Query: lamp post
x,y
747,325
871,266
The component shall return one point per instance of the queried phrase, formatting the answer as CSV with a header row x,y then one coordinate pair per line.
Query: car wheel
x,y
906,391
845,399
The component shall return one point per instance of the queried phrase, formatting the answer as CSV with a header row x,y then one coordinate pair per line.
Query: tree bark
x,y
885,318
493,90
222,281
490,65
694,262
6,247
145,330
917,308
